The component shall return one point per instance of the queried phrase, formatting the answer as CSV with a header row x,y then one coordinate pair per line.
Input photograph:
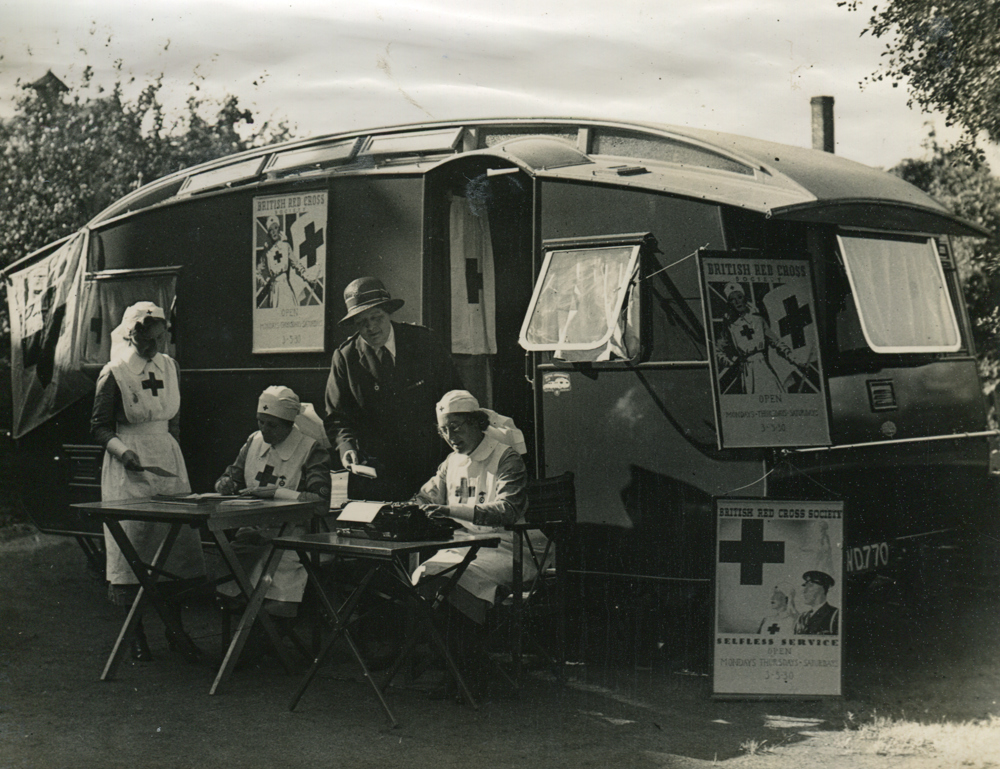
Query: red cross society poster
x,y
778,598
289,272
767,375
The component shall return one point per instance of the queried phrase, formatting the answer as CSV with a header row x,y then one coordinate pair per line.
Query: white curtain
x,y
473,301
106,297
901,295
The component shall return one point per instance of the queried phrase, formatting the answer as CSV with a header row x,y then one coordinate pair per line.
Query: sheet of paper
x,y
338,488
365,470
159,471
360,512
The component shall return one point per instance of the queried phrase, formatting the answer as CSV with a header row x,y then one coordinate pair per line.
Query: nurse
x,y
286,458
482,485
136,419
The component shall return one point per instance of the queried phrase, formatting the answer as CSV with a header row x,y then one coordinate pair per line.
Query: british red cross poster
x,y
779,613
289,272
764,352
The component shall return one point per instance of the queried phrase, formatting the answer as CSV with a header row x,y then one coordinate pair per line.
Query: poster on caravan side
x,y
767,374
289,272
779,613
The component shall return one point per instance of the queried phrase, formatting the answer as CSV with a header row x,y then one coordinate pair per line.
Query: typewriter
x,y
398,521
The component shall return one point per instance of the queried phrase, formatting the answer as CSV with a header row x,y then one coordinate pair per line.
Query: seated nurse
x,y
286,458
482,485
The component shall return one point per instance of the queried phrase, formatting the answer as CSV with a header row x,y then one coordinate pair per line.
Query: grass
x,y
754,747
970,743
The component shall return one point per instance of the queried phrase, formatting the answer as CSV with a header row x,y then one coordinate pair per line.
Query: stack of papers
x,y
194,499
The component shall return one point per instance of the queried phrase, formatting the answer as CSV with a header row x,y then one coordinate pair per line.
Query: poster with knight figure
x,y
762,335
289,272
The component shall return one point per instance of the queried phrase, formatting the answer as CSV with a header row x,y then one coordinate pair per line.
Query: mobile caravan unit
x,y
587,273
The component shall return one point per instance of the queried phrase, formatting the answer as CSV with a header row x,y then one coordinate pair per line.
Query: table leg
x,y
517,606
425,610
246,621
340,629
147,590
247,590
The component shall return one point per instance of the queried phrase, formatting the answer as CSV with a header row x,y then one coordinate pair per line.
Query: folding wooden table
x,y
387,557
216,517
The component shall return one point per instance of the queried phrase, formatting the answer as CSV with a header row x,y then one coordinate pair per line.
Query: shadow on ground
x,y
56,630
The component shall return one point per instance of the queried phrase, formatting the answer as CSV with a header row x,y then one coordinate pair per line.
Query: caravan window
x,y
583,307
900,294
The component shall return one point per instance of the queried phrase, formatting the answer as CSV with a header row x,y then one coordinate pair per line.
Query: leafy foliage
x,y
65,157
969,190
948,52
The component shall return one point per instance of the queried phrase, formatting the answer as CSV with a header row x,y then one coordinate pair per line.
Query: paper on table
x,y
159,471
360,512
338,489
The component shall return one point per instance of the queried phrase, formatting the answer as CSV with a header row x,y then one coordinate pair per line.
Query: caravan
x,y
677,316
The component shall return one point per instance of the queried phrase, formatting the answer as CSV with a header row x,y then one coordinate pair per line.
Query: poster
x,y
779,615
289,272
767,374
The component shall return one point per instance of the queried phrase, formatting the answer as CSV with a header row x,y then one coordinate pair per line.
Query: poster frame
x,y
775,431
838,551
274,329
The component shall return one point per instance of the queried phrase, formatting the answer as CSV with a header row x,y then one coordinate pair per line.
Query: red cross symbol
x,y
751,552
465,491
266,476
152,383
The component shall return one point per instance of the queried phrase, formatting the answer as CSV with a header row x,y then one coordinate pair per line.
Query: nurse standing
x,y
136,419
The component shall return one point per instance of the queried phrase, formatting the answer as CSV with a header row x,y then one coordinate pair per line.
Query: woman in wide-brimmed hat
x,y
380,395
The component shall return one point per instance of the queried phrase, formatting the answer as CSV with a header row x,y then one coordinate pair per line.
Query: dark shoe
x,y
183,645
139,648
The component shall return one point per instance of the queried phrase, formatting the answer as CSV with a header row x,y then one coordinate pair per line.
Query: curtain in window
x,y
105,299
901,295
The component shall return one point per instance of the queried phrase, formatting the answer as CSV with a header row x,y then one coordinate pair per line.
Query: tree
x,y
969,190
66,155
948,52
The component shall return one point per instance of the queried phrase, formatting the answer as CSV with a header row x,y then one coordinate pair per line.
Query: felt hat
x,y
280,402
364,293
821,578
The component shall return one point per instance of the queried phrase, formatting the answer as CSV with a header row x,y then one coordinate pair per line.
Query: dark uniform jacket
x,y
389,417
823,621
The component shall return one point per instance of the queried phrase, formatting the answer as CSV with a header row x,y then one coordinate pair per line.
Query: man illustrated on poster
x,y
821,618
745,342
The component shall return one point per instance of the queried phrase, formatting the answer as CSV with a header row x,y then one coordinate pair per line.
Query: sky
x,y
742,66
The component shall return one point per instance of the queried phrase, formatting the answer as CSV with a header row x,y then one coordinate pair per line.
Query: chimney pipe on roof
x,y
822,122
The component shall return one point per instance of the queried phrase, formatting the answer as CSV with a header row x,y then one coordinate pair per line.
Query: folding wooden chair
x,y
538,607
